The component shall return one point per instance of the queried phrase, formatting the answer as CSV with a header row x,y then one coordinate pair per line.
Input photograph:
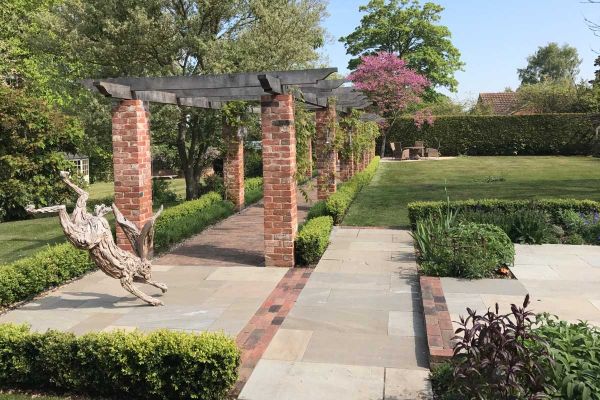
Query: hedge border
x,y
423,209
495,135
159,365
312,240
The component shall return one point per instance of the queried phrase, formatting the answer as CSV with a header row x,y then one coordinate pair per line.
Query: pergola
x,y
276,92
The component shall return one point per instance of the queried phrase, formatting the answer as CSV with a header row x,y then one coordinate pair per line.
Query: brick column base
x,y
132,164
309,169
326,155
279,169
233,167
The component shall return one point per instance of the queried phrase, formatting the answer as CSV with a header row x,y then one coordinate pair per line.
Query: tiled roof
x,y
504,103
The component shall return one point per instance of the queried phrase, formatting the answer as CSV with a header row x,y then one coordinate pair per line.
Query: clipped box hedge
x,y
184,220
312,240
494,135
129,365
338,203
422,209
47,268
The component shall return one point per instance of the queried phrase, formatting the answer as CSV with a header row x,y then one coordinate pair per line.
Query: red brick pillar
x,y
309,169
132,164
233,166
326,155
345,168
279,169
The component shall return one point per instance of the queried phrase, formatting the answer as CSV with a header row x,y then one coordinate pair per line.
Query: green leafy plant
x,y
318,209
162,192
575,367
253,190
160,365
312,240
467,250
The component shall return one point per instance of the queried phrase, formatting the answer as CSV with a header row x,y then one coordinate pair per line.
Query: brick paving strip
x,y
438,324
254,339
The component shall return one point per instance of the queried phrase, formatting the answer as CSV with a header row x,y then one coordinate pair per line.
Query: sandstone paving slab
x,y
313,296
404,282
549,259
406,323
289,380
534,271
591,259
95,322
483,286
376,350
373,300
248,274
504,302
459,302
348,281
339,232
41,321
288,345
323,318
407,384
171,317
357,255
559,288
577,273
571,309
379,246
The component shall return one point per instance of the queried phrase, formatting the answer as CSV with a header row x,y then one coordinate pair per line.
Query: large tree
x,y
392,87
551,62
410,30
186,37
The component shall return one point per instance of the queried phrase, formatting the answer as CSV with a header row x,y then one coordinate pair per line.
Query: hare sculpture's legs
x,y
127,284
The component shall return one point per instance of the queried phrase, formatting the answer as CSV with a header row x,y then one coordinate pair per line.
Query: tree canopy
x,y
551,62
411,31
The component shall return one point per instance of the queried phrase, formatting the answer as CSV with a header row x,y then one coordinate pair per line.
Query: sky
x,y
494,37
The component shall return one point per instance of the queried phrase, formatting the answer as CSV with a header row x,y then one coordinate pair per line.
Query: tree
x,y
561,96
33,140
413,33
186,37
551,62
390,84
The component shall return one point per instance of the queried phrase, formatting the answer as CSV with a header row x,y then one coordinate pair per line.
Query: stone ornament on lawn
x,y
92,233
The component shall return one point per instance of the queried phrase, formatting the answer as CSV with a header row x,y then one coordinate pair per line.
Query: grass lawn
x,y
22,238
383,202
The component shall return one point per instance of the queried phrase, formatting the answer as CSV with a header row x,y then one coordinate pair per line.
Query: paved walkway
x,y
236,241
356,330
562,280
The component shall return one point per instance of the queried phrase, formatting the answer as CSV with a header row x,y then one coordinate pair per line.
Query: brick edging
x,y
438,324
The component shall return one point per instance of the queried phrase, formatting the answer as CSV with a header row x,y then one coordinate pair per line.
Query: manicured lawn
x,y
383,202
22,238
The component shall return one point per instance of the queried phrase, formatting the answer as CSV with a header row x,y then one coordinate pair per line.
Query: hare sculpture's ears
x,y
142,242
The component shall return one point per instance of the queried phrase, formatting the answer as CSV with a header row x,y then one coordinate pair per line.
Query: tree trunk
x,y
186,160
382,149
191,184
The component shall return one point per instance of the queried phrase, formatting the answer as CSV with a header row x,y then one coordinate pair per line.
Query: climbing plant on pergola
x,y
276,92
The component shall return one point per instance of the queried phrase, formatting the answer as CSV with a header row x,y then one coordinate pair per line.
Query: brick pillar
x,y
279,168
132,164
326,155
309,169
233,166
346,168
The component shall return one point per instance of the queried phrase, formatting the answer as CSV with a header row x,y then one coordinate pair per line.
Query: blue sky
x,y
494,36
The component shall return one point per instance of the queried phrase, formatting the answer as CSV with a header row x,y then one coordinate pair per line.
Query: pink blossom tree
x,y
391,86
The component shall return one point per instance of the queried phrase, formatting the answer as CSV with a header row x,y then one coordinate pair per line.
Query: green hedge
x,y
187,219
318,209
312,240
48,268
159,365
422,209
253,190
338,203
543,134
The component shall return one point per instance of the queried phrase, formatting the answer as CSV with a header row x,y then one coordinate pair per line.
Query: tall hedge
x,y
490,135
